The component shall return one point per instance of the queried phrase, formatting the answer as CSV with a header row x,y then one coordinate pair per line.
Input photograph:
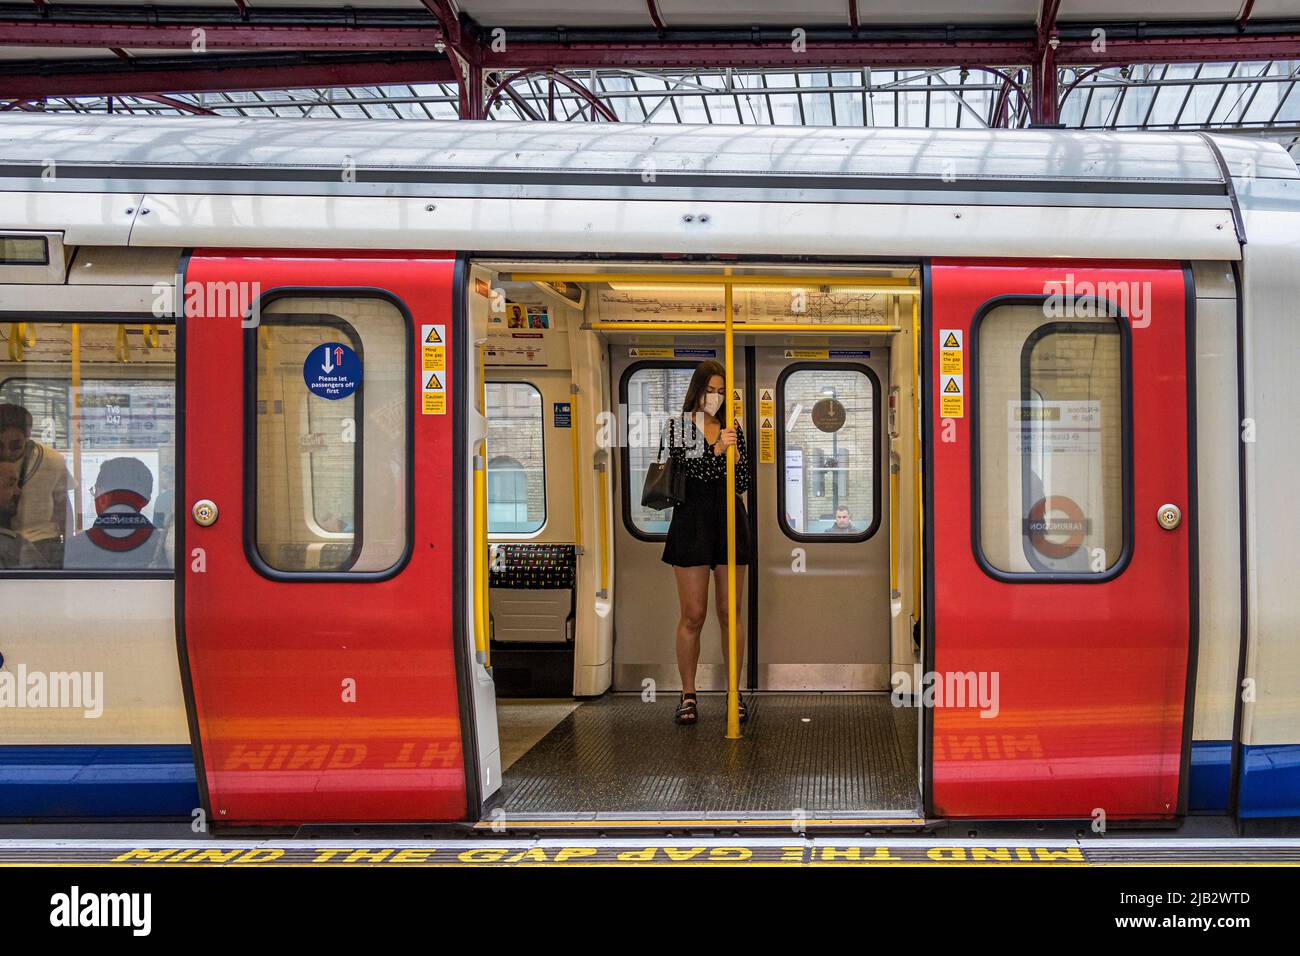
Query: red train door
x,y
1062,521
318,537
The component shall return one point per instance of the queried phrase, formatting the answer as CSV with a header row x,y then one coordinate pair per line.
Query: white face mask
x,y
712,402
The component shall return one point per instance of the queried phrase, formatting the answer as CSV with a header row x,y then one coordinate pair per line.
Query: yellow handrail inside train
x,y
482,650
481,533
744,328
74,426
602,476
733,672
893,285
893,525
574,418
918,555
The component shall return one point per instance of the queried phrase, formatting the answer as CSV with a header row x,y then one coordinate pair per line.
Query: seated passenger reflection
x,y
15,551
43,479
121,537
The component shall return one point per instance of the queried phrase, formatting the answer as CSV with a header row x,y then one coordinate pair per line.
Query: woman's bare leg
x,y
720,595
693,596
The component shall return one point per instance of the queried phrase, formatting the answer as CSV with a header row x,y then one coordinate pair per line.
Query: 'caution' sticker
x,y
952,397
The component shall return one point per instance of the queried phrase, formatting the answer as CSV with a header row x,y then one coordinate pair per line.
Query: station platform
x,y
792,851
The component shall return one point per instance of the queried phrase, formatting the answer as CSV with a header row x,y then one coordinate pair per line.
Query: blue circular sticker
x,y
332,371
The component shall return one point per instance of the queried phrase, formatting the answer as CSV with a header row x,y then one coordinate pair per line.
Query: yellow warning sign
x,y
766,402
738,404
952,397
434,397
433,348
643,352
766,441
807,353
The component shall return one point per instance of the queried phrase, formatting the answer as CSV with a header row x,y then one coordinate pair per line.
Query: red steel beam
x,y
209,76
1075,47
218,36
1210,49
849,53
1044,67
887,55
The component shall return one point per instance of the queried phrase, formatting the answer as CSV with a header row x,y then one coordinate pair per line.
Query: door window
x,y
1051,420
330,435
829,489
517,466
651,393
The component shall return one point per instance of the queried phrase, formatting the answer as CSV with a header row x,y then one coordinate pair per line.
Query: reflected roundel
x,y
829,415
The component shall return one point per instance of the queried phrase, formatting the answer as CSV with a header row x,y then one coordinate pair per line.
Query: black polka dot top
x,y
690,450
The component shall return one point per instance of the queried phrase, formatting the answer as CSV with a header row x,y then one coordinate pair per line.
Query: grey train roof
x,y
191,149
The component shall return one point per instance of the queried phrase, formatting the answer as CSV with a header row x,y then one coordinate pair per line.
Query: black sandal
x,y
741,708
688,710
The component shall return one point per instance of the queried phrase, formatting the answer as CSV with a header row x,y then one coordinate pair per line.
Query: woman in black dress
x,y
697,536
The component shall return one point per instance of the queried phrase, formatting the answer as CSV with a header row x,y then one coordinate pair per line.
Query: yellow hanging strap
x,y
149,335
21,337
120,347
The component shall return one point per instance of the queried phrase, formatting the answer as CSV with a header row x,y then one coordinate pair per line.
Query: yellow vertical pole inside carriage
x,y
74,428
733,672
482,614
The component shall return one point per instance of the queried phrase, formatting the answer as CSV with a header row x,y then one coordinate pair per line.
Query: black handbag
x,y
665,482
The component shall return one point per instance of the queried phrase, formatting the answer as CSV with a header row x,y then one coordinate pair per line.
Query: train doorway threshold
x,y
815,760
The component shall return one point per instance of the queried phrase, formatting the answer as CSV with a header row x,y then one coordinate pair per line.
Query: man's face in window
x,y
13,444
842,519
9,490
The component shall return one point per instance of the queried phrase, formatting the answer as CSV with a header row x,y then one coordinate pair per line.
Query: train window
x,y
829,490
329,448
650,393
88,448
24,251
1050,440
517,466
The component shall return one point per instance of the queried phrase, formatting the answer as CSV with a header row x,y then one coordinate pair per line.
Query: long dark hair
x,y
699,382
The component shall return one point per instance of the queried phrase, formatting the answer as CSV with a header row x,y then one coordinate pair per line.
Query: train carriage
x,y
356,417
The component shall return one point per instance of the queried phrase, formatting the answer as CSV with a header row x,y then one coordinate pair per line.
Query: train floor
x,y
819,754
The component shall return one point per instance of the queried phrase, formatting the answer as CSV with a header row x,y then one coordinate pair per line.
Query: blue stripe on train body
x,y
87,781
1270,781
1211,776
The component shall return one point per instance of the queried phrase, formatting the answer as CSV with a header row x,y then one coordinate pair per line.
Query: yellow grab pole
x,y
602,508
574,418
482,550
733,672
482,646
75,428
918,505
894,530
